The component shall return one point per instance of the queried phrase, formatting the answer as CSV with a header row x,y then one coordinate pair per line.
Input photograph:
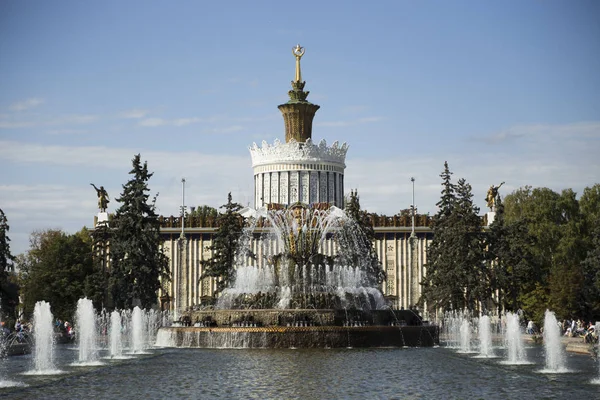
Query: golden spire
x,y
298,53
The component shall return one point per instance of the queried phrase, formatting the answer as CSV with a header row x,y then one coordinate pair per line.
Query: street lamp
x,y
412,179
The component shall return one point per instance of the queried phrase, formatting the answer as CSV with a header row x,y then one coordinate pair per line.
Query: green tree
x,y
476,276
589,205
55,270
224,246
457,274
9,293
359,247
204,214
137,262
510,259
540,211
442,285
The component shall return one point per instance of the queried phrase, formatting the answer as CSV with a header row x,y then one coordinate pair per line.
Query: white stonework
x,y
102,217
491,216
285,173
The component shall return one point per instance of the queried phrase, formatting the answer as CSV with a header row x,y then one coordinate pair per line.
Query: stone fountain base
x,y
300,337
300,328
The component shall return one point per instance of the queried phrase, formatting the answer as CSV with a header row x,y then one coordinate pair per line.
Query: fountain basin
x,y
300,328
301,337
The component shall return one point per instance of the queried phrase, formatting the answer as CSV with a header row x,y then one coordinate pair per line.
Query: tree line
x,y
60,268
542,251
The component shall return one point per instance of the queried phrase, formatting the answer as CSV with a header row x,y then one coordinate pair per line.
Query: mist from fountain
x,y
43,350
297,273
465,335
85,320
556,361
515,348
138,331
597,380
485,337
451,328
116,342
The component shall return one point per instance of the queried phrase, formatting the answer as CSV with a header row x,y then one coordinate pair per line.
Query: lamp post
x,y
412,179
181,295
414,274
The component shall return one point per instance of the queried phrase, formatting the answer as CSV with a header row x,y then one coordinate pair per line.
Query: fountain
x,y
116,344
315,284
85,320
465,335
137,331
43,351
555,351
485,337
597,380
514,341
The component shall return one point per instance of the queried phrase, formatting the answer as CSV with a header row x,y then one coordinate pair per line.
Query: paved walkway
x,y
575,345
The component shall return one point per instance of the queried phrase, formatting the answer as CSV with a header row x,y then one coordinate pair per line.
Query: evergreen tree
x,y
442,285
137,262
355,252
225,246
476,277
9,294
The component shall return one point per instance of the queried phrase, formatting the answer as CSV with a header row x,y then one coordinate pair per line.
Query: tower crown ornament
x,y
298,113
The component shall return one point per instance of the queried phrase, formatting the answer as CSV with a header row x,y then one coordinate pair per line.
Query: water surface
x,y
425,373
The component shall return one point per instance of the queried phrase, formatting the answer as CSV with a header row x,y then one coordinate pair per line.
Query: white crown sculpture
x,y
294,151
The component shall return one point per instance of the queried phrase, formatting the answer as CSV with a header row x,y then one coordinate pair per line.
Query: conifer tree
x,y
442,284
225,246
476,277
8,291
456,274
355,252
137,262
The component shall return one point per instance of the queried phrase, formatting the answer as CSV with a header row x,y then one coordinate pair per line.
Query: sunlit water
x,y
426,373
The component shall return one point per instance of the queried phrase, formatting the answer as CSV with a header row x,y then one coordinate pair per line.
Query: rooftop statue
x,y
298,53
492,195
102,198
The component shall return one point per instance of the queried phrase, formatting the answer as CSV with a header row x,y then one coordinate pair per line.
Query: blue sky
x,y
504,91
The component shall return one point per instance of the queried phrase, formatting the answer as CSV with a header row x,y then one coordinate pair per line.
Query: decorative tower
x,y
298,113
298,170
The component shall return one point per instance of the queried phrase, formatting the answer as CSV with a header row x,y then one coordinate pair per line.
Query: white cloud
x,y
185,121
135,113
152,122
26,104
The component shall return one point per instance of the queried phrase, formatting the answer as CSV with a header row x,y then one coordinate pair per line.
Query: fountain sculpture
x,y
315,285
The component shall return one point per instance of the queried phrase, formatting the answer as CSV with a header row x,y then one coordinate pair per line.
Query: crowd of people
x,y
579,328
571,328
